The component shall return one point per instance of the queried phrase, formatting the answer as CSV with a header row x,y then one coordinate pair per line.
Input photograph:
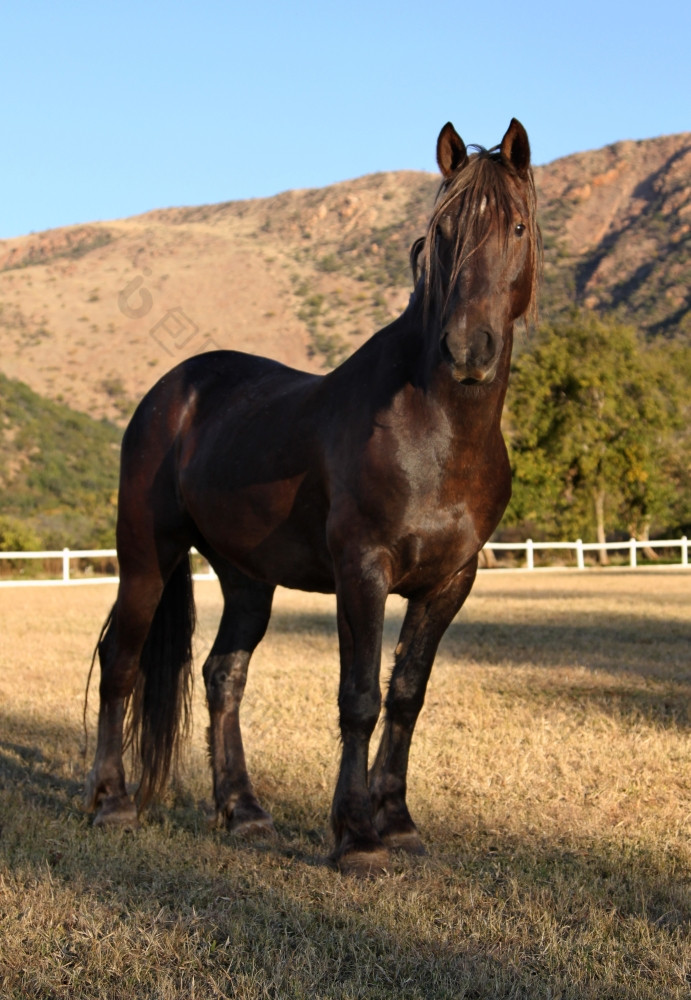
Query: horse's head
x,y
479,261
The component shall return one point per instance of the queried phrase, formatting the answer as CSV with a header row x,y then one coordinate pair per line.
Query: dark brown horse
x,y
385,476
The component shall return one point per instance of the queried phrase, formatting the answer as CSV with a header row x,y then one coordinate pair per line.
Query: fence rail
x,y
65,557
632,546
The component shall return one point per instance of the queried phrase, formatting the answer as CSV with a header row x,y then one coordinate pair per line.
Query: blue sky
x,y
112,109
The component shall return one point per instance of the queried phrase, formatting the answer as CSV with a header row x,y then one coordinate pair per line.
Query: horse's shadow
x,y
640,669
25,768
493,865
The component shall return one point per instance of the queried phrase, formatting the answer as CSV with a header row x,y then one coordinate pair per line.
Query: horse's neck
x,y
400,368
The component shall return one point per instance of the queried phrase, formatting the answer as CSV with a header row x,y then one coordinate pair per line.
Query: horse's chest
x,y
434,546
447,520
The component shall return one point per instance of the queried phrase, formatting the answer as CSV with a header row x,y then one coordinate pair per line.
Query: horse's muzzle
x,y
473,358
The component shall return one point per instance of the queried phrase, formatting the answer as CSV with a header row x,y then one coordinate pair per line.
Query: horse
x,y
386,475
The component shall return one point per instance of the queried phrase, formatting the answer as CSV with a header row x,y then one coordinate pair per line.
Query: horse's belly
x,y
272,532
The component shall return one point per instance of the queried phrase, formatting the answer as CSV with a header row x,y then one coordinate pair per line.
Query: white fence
x,y
65,557
632,547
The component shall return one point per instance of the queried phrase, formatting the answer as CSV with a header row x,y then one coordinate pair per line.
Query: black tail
x,y
160,706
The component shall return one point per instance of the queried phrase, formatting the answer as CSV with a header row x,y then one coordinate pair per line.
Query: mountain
x,y
92,315
617,233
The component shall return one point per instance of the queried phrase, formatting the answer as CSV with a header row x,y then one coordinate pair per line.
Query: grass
x,y
550,776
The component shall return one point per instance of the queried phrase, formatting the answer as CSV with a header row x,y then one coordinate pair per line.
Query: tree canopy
x,y
597,432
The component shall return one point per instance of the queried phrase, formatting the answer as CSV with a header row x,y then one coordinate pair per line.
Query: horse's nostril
x,y
446,350
484,343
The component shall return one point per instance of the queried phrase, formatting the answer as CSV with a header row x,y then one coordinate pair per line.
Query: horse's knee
x,y
225,681
403,710
359,711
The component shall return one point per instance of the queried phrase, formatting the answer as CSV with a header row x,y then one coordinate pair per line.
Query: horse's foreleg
x,y
425,622
245,618
361,596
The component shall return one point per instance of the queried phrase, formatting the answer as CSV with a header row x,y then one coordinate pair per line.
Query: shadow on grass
x,y
610,643
484,916
620,646
599,589
28,769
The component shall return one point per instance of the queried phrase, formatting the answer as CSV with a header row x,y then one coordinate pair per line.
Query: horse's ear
x,y
451,151
515,148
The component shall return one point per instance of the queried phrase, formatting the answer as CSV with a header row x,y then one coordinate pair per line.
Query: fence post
x,y
580,559
529,560
684,550
632,552
65,565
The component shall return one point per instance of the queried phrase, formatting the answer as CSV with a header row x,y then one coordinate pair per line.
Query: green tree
x,y
670,368
657,475
17,537
592,419
58,469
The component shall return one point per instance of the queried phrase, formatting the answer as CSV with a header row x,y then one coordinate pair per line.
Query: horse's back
x,y
225,451
206,389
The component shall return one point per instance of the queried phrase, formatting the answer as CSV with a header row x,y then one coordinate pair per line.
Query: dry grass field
x,y
550,777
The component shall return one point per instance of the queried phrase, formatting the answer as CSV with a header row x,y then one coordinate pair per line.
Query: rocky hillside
x,y
617,228
91,315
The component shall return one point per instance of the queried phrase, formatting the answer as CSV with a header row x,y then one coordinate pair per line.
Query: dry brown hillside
x,y
93,314
617,225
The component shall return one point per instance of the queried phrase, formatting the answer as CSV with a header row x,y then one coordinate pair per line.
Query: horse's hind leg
x,y
243,624
119,652
425,622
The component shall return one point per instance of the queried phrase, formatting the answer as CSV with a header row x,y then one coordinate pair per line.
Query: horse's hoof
x,y
117,812
407,841
364,864
251,824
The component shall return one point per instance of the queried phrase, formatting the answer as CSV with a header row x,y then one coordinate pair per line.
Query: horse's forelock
x,y
482,187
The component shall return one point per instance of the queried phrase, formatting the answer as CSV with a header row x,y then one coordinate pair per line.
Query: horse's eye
x,y
519,229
